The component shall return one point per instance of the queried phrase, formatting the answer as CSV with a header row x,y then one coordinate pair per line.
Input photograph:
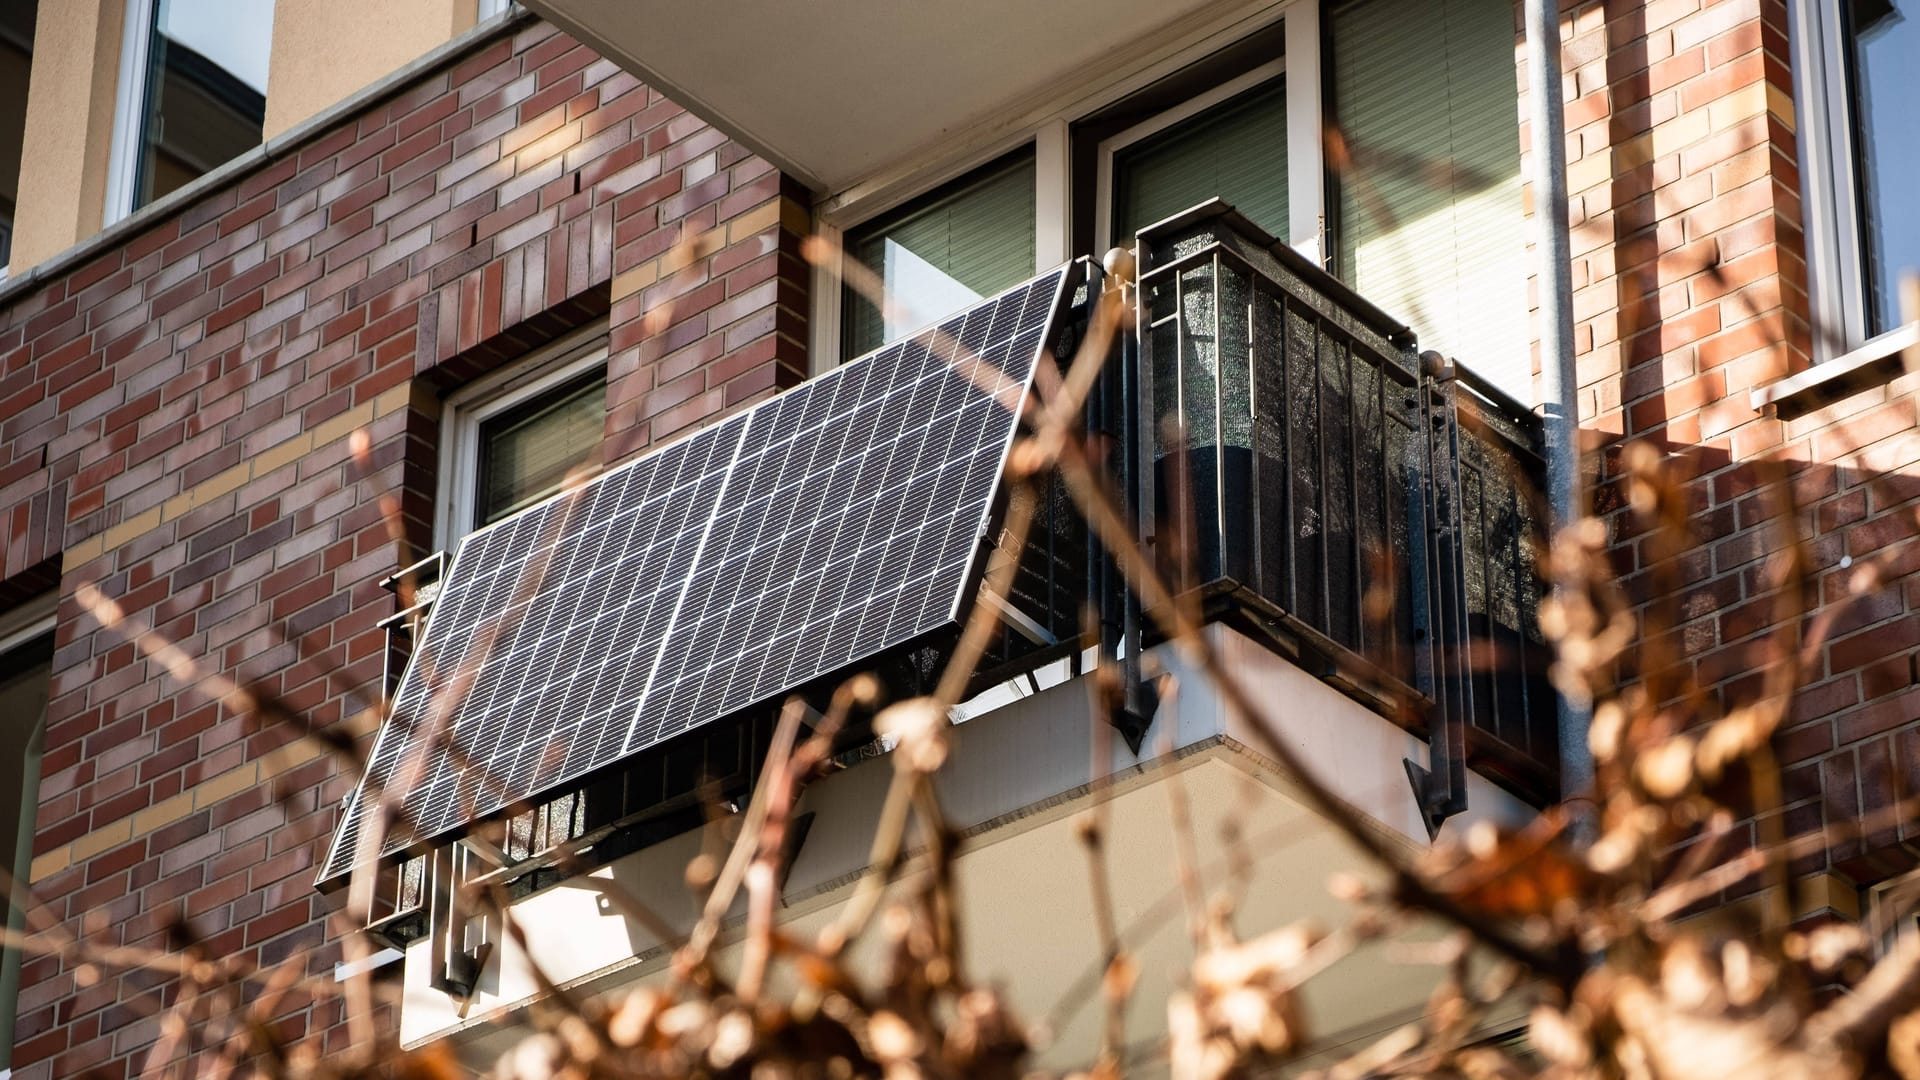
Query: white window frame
x,y
1046,124
1154,125
1836,252
487,9
129,111
829,274
464,412
1882,918
26,622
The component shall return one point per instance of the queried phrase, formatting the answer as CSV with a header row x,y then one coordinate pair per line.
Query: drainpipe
x,y
1559,406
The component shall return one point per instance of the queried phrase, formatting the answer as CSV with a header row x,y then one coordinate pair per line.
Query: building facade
x,y
509,246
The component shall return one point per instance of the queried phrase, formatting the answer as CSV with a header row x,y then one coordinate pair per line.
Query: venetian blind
x,y
942,255
1431,226
1237,151
527,452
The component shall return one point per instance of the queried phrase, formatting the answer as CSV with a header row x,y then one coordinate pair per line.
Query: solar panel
x,y
825,526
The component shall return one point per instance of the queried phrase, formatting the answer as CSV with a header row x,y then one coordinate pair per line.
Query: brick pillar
x,y
1690,291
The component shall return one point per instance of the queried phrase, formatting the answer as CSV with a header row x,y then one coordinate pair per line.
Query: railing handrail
x,y
1314,276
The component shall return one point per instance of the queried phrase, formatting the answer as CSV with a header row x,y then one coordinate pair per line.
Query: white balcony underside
x,y
1017,782
834,90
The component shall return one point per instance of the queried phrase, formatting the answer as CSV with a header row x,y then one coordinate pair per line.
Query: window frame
x,y
1246,82
1048,120
129,108
466,410
1838,294
905,210
130,111
828,303
1888,926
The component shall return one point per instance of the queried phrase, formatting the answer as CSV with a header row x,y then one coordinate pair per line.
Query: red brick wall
x,y
174,417
1690,292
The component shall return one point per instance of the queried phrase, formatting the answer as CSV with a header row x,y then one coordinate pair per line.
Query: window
x,y
193,94
26,657
1231,143
16,60
1857,82
513,439
940,253
1430,224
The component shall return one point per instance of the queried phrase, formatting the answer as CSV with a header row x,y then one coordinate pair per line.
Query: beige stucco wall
x,y
69,128
324,50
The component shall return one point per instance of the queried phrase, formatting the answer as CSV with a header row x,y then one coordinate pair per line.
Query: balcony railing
x,y
1374,506
1306,471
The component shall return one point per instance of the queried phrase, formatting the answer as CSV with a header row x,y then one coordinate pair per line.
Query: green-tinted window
x,y
1236,150
1430,219
527,452
941,254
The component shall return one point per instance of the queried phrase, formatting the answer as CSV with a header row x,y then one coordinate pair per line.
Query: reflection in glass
x,y
941,254
206,89
1886,44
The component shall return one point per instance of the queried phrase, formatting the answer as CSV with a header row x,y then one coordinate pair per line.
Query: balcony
x,y
1300,467
1354,519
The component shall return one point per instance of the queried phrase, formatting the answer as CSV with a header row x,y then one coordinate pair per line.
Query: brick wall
x,y
174,423
1691,291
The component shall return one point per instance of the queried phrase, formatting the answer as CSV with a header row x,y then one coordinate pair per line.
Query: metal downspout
x,y
1559,386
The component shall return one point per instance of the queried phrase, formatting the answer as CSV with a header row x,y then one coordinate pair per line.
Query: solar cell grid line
x,y
909,511
686,508
613,519
587,584
859,546
714,573
849,389
822,447
880,622
445,813
651,569
693,693
903,534
690,580
829,615
831,487
969,332
519,655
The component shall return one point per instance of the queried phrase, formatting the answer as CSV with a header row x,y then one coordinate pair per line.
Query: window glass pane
x,y
1430,224
1886,57
24,678
206,89
527,452
940,255
1236,150
16,58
